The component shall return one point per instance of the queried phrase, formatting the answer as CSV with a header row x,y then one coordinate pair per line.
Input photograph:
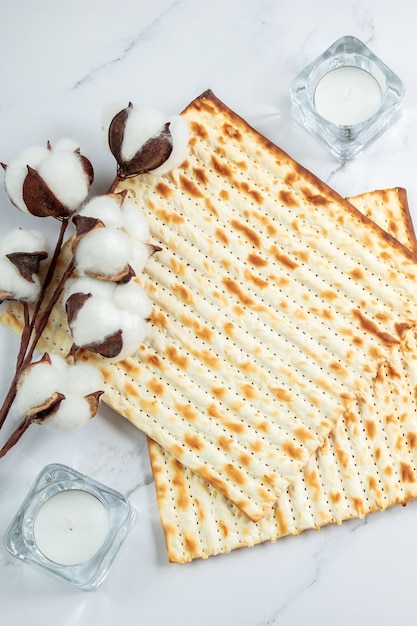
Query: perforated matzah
x,y
275,304
367,463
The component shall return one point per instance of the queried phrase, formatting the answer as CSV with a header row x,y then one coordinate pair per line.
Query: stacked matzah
x,y
278,311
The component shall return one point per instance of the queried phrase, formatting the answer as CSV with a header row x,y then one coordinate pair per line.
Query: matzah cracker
x,y
367,463
275,305
268,287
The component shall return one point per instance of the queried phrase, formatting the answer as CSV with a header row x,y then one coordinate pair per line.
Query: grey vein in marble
x,y
143,35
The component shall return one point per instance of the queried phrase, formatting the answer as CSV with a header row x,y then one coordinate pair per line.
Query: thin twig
x,y
114,184
15,436
42,321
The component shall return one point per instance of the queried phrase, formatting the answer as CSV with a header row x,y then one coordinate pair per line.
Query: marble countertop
x,y
62,63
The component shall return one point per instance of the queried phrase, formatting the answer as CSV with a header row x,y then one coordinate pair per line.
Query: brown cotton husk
x,y
110,347
153,153
39,199
45,358
38,414
85,224
87,167
153,248
121,278
73,304
27,263
116,132
93,400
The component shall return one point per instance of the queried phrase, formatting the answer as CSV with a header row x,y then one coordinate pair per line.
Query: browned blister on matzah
x,y
275,305
367,463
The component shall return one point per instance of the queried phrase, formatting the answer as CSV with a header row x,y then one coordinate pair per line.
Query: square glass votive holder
x,y
346,140
70,526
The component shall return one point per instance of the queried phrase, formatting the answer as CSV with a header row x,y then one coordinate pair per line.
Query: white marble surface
x,y
61,63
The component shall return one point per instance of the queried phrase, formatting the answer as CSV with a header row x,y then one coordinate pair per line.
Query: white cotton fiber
x,y
141,124
134,221
74,412
86,285
134,332
133,298
83,379
19,240
11,281
59,366
139,256
74,381
66,145
33,155
180,137
105,251
105,208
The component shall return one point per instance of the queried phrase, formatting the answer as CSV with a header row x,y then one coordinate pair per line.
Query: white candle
x,y
347,96
71,527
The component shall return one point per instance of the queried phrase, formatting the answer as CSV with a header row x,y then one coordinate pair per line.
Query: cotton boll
x,y
39,383
62,171
105,251
105,208
17,171
133,298
141,125
97,319
73,412
180,137
79,386
135,222
11,281
56,182
18,274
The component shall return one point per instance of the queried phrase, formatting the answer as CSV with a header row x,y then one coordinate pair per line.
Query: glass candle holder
x,y
347,98
70,526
